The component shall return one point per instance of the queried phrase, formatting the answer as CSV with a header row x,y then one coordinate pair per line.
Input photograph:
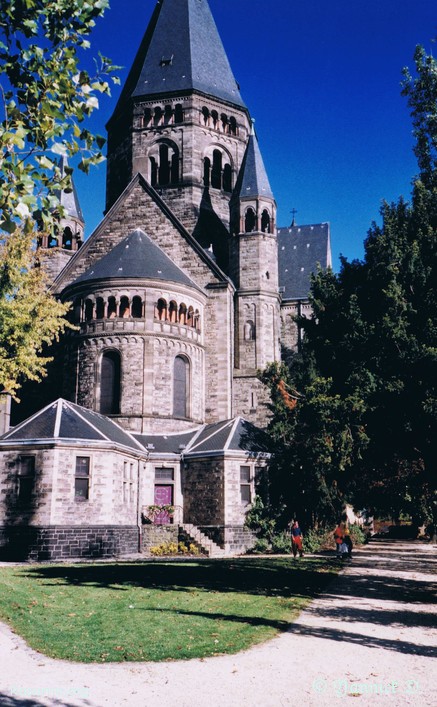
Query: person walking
x,y
338,537
296,539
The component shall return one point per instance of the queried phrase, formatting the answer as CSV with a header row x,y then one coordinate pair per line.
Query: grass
x,y
157,610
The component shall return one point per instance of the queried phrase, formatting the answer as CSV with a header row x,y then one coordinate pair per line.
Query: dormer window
x,y
165,61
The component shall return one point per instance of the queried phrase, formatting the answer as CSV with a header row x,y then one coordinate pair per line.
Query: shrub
x,y
281,543
357,535
262,546
315,540
172,548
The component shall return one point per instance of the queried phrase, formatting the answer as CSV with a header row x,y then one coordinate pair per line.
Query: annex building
x,y
185,289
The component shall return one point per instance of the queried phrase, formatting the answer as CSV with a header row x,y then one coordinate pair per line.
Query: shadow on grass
x,y
249,576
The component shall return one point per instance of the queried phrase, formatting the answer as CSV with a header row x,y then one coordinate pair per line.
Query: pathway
x,y
370,639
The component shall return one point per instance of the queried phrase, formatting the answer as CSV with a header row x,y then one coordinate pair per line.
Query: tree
x,y
374,329
364,425
45,97
29,317
316,439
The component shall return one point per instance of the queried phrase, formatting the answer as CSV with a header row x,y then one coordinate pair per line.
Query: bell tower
x,y
254,271
181,122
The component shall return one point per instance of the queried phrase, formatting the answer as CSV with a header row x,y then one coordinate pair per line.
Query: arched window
x,y
216,174
178,113
224,119
162,310
164,165
89,310
206,171
249,330
77,310
205,115
265,221
137,307
168,115
232,126
183,314
112,308
215,119
100,308
158,115
153,172
147,119
196,320
227,178
110,383
181,387
173,312
249,221
124,311
67,239
190,317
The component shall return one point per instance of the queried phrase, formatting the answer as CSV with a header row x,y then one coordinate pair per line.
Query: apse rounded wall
x,y
140,355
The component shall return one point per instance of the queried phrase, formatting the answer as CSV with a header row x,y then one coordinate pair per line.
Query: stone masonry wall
x,y
67,542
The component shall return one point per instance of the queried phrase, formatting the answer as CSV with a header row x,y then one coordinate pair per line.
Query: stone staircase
x,y
189,533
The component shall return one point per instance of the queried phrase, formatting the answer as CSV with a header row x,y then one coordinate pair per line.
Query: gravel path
x,y
370,639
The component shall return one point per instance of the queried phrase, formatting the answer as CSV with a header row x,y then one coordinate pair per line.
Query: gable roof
x,y
181,51
301,249
66,276
137,256
62,420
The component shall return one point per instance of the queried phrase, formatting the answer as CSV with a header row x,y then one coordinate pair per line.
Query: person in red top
x,y
338,537
296,539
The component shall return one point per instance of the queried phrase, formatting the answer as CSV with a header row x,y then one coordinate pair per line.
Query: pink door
x,y
163,497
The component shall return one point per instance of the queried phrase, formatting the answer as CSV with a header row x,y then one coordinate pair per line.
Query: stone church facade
x,y
184,291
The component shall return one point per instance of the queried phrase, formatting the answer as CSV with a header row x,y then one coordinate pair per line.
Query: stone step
x,y
203,542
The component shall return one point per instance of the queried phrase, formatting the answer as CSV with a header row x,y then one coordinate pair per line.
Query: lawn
x,y
162,610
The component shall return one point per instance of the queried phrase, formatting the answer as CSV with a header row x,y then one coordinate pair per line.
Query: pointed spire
x,y
181,51
69,200
253,180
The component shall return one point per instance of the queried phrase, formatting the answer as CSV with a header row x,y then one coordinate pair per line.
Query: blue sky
x,y
322,80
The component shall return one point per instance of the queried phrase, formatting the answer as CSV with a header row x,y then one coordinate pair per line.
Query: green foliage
x,y
46,97
281,543
355,416
316,438
318,539
29,316
262,519
357,535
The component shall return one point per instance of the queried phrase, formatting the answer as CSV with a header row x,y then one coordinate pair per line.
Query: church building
x,y
187,288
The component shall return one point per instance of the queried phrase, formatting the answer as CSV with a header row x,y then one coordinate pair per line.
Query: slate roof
x,y
300,250
181,51
137,256
253,180
229,435
67,421
237,435
165,444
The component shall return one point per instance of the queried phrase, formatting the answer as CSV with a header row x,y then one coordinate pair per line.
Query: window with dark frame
x,y
26,478
245,485
82,479
164,474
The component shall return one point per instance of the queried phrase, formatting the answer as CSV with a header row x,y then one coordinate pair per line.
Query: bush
x,y
261,547
357,535
315,540
281,543
172,548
